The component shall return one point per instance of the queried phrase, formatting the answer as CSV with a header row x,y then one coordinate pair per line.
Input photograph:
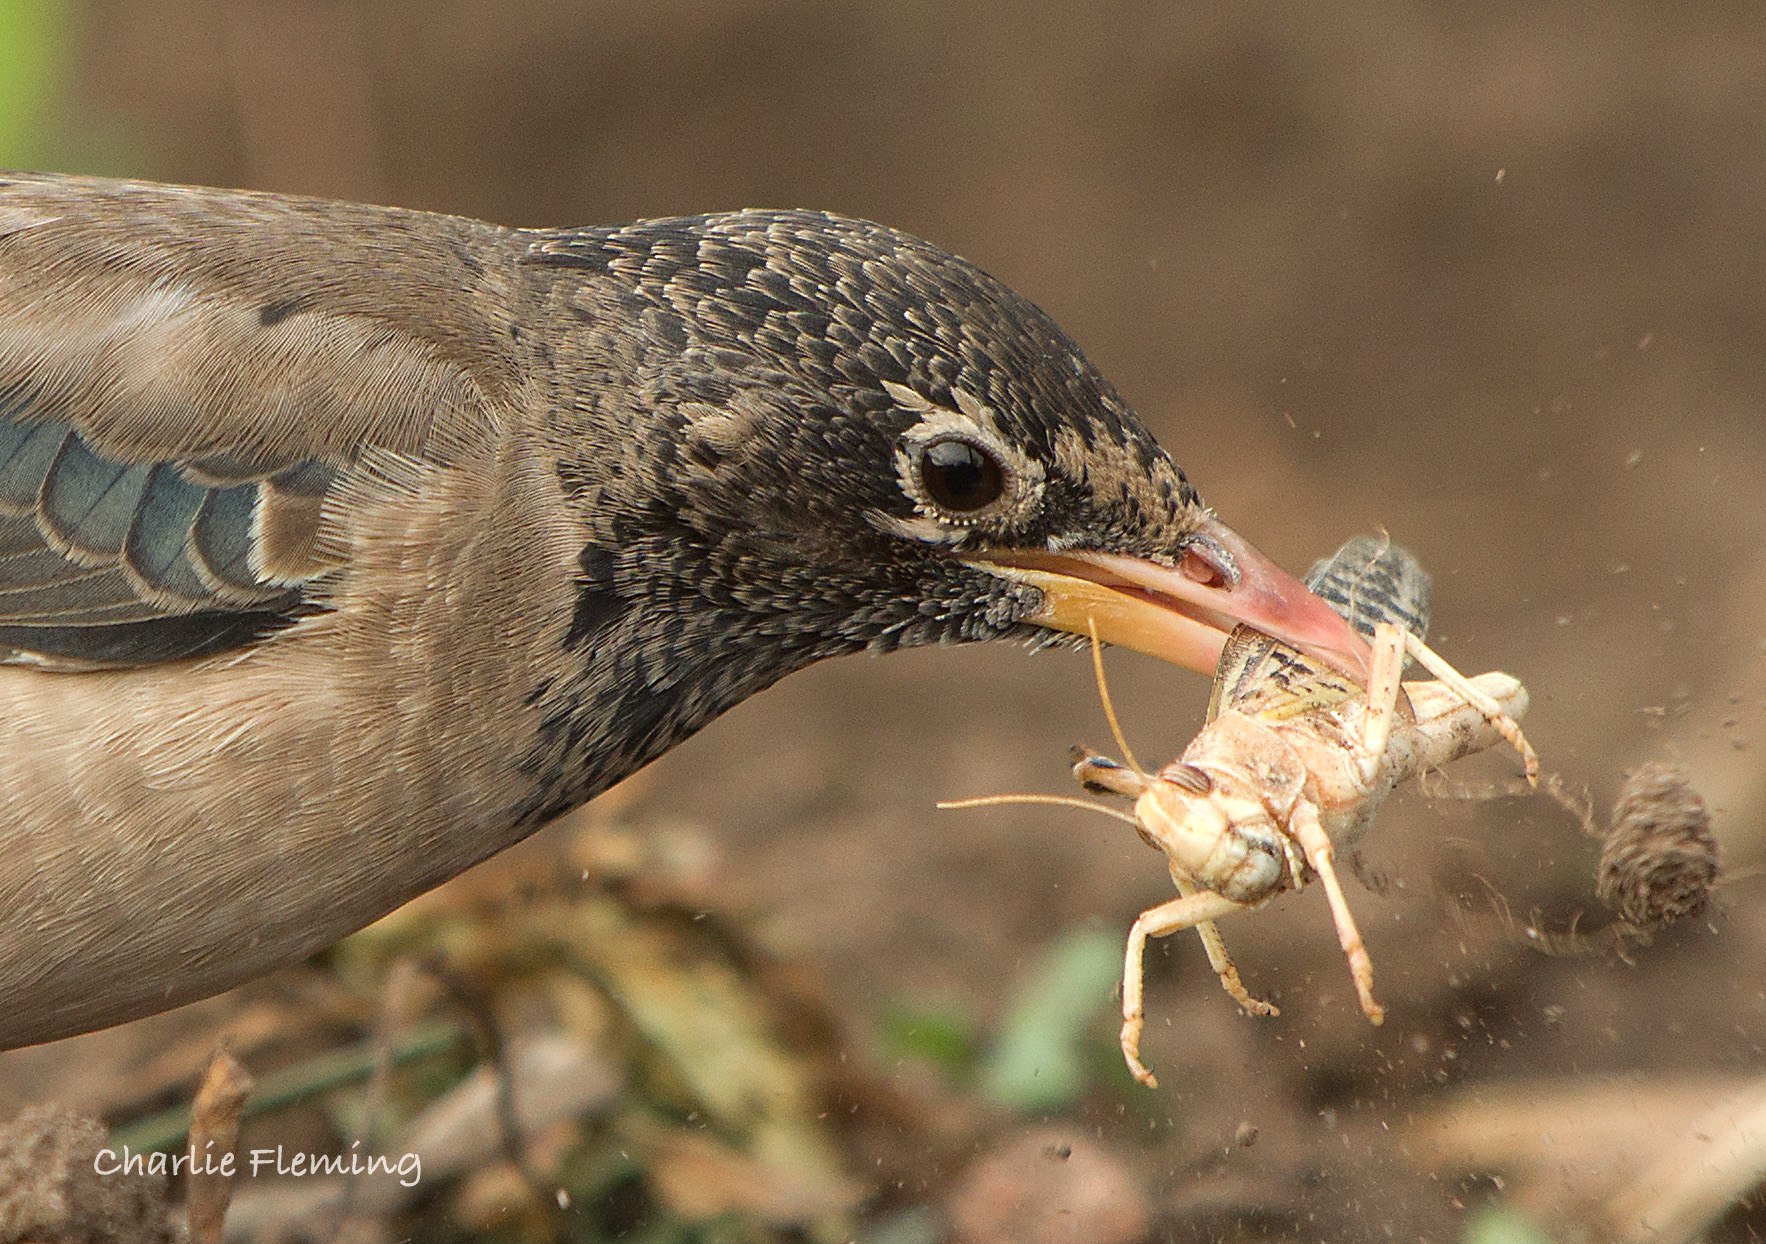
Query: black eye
x,y
959,476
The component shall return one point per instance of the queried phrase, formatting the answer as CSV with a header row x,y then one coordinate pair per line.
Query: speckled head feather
x,y
750,487
857,333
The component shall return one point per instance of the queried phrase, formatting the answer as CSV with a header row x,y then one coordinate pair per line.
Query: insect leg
x,y
1384,682
1218,959
1321,854
1167,918
1462,686
1437,785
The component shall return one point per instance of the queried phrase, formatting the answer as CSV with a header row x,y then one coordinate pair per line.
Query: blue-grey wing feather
x,y
87,503
106,562
221,535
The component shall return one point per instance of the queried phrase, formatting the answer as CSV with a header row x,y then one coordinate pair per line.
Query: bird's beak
x,y
1182,614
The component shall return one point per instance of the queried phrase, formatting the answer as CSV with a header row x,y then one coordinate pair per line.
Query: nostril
x,y
1198,567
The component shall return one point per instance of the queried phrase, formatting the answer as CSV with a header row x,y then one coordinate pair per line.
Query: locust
x,y
1291,766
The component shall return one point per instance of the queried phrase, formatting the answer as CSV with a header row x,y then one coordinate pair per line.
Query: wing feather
x,y
87,504
187,375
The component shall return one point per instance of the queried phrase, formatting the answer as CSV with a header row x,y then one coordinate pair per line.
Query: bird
x,y
343,546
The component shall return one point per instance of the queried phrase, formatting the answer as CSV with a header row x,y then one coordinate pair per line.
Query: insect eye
x,y
1190,778
960,476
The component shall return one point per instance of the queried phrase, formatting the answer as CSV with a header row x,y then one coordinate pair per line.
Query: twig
x,y
225,1086
399,984
557,1078
477,1007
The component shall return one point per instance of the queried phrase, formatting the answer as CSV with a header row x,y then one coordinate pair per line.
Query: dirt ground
x,y
1488,277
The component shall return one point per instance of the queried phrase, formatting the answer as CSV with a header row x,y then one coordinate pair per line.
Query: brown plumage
x,y
341,546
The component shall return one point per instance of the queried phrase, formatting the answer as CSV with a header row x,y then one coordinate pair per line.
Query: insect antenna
x,y
1097,666
1056,801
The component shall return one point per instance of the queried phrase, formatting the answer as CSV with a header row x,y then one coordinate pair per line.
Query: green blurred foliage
x,y
919,1225
1497,1224
941,1036
41,126
35,56
1037,1062
1046,1051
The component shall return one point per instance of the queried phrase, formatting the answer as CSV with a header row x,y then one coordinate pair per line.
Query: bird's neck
x,y
647,667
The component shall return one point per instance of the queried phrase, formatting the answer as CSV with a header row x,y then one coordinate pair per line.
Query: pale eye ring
x,y
960,476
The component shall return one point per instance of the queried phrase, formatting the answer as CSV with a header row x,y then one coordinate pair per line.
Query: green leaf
x,y
941,1036
1036,1062
918,1225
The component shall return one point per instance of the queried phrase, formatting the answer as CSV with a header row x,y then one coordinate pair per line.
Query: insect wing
x,y
1371,580
1367,581
1262,678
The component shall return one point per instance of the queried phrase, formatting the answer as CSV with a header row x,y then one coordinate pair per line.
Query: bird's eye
x,y
960,476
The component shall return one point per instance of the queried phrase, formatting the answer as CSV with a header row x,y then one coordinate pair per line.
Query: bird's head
x,y
867,438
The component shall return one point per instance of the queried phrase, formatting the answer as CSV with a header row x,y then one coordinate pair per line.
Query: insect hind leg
x,y
1463,687
1218,959
1384,684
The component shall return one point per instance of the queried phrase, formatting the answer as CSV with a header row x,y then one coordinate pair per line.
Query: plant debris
x,y
1659,859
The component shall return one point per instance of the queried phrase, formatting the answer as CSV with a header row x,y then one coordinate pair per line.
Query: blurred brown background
x,y
1486,276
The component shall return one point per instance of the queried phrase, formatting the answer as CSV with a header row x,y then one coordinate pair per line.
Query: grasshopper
x,y
1291,766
